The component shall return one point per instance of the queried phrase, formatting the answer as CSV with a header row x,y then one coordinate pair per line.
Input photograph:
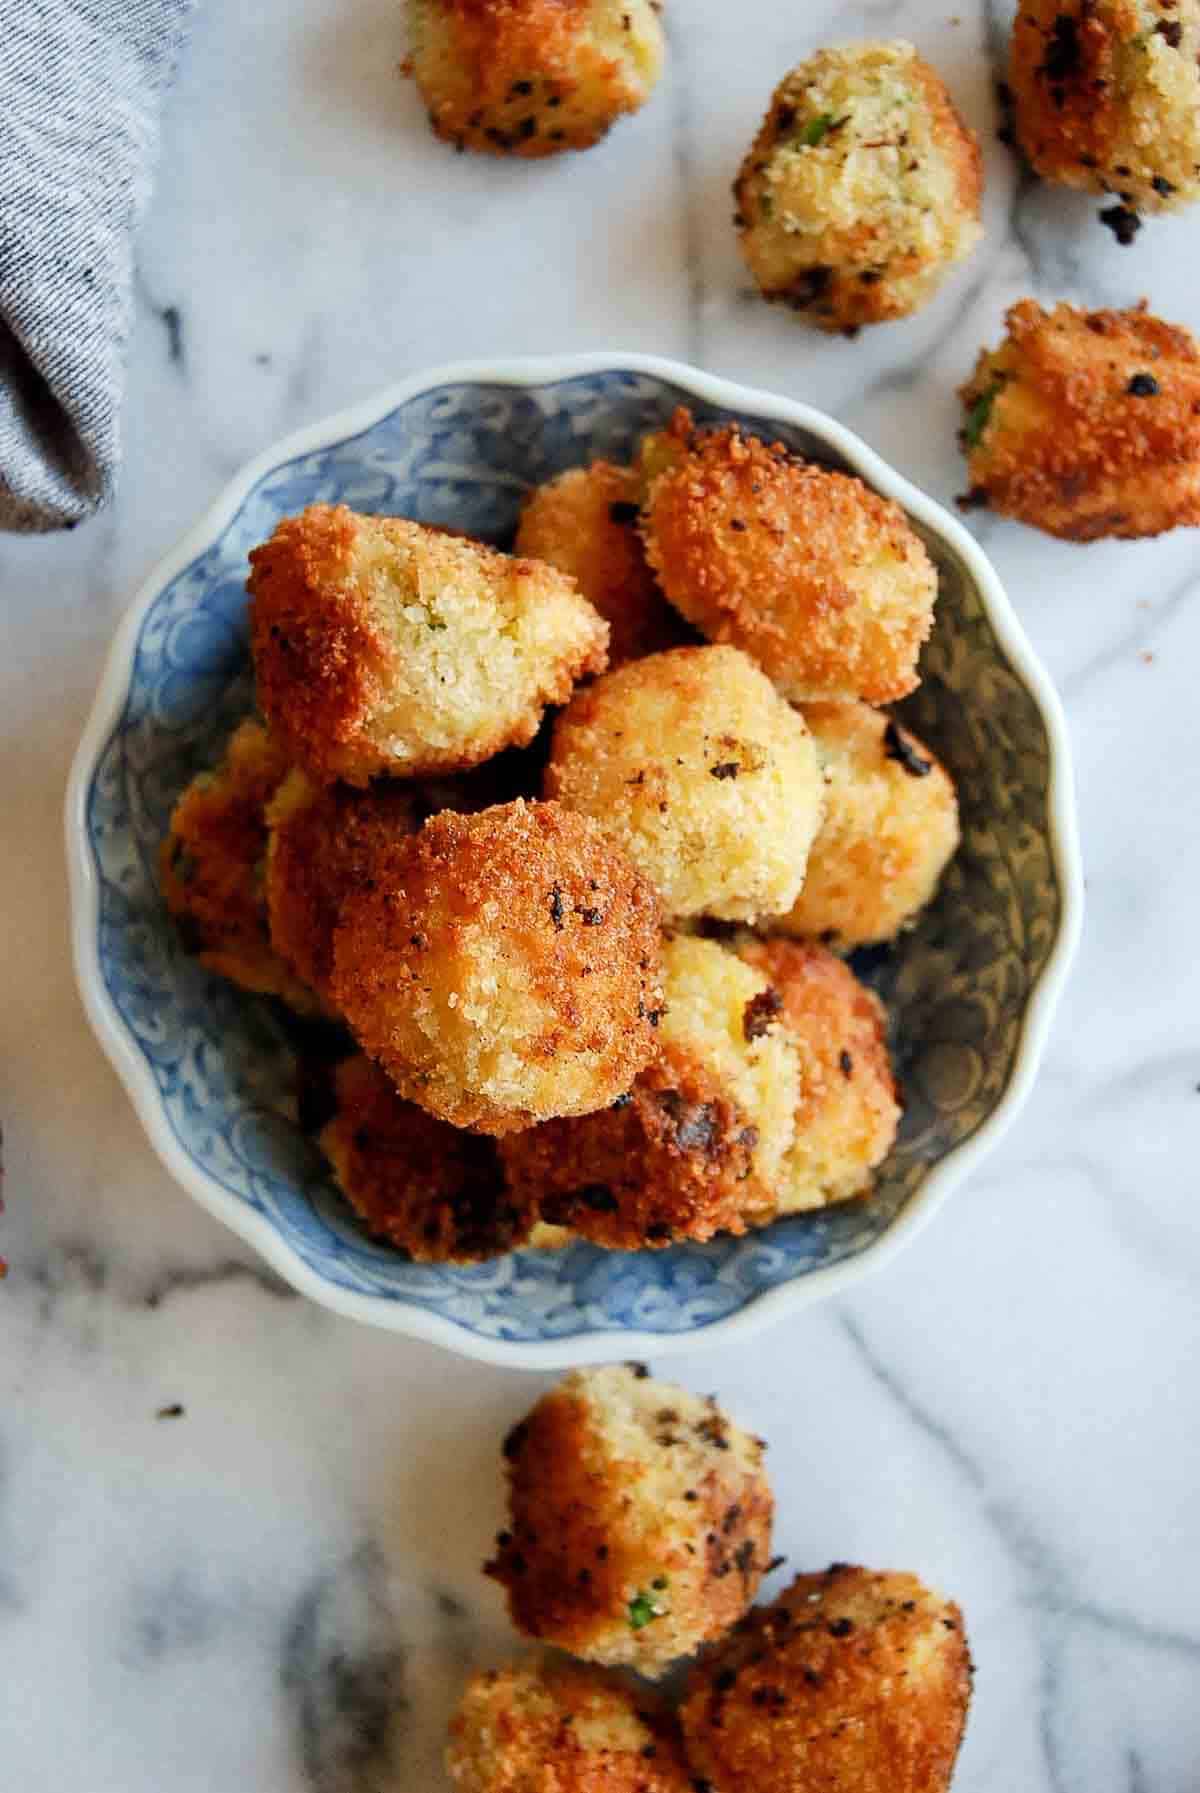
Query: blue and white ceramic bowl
x,y
210,1070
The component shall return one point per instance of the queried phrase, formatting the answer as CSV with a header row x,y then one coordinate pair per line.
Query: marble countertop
x,y
278,1588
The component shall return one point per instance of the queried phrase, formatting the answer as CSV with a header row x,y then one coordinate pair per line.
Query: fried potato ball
x,y
640,1520
820,580
210,864
699,771
847,1112
584,523
861,190
381,646
559,1728
1086,423
319,840
532,77
435,1192
851,1679
502,967
699,1143
1106,96
890,829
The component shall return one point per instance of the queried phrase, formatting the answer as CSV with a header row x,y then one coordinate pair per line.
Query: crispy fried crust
x,y
1087,423
209,867
435,1192
532,77
847,1108
382,647
821,581
1106,96
502,967
640,1520
862,188
851,1680
890,829
559,1728
320,840
699,771
696,1146
584,523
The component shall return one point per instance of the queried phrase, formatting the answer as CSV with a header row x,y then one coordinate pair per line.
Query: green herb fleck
x,y
980,413
818,128
642,1610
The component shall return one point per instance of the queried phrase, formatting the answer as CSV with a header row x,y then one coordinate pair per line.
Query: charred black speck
x,y
1062,58
1123,222
899,747
727,769
841,1627
1142,386
760,1012
557,907
845,1063
623,512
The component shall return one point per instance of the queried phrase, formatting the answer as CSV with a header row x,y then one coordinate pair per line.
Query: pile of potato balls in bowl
x,y
553,926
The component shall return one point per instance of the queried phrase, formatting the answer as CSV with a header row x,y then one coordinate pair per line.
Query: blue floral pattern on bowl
x,y
959,986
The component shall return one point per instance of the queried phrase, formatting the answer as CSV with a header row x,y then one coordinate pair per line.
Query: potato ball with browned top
x,y
211,868
861,190
851,1680
319,839
585,524
560,1728
699,771
1086,423
432,1190
847,1110
1106,96
698,1144
381,646
502,967
532,77
890,829
640,1520
820,580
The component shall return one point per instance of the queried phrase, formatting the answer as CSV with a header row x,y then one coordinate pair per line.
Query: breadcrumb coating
x,y
862,189
383,647
852,1679
210,868
1106,96
585,524
639,1520
847,1110
320,839
890,829
435,1192
699,1143
1086,423
532,77
502,967
820,580
699,771
560,1728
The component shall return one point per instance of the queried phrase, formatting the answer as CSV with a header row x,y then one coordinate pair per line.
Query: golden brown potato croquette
x,y
699,771
890,829
821,581
532,77
847,1111
698,1144
559,1728
862,188
381,646
210,867
585,524
319,840
851,1680
435,1192
502,967
640,1520
1086,423
1106,96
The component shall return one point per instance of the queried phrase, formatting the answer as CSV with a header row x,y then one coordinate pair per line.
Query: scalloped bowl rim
x,y
584,1347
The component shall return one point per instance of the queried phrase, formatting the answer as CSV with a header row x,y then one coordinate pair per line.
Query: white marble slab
x,y
279,1589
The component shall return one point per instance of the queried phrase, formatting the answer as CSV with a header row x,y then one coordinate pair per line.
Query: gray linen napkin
x,y
81,85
